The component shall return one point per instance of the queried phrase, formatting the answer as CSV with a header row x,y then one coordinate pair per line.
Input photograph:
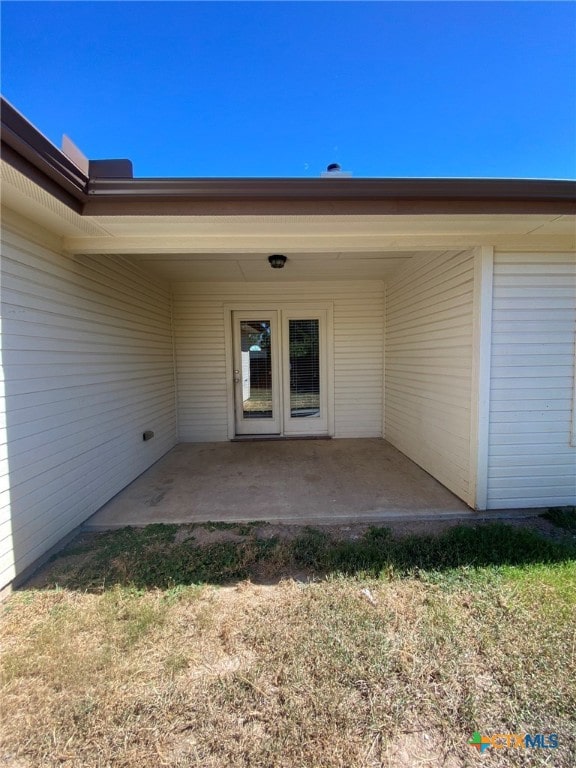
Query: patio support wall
x,y
199,321
429,348
88,366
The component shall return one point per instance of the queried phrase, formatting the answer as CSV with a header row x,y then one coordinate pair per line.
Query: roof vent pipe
x,y
334,171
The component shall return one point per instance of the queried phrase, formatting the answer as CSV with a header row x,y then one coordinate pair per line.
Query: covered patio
x,y
148,324
287,481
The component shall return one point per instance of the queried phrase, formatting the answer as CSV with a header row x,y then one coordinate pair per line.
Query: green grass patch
x,y
148,558
115,543
378,552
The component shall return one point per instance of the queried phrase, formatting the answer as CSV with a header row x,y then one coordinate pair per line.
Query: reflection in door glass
x,y
304,368
256,369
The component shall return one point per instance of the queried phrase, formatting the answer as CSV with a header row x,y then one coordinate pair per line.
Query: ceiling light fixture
x,y
277,261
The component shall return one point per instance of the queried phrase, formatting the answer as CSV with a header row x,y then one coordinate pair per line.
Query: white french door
x,y
280,372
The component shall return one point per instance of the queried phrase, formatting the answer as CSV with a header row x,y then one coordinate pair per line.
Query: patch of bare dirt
x,y
425,749
400,528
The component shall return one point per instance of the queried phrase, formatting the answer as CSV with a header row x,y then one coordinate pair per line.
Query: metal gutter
x,y
334,189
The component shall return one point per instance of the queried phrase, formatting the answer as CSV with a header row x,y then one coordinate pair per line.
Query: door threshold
x,y
270,438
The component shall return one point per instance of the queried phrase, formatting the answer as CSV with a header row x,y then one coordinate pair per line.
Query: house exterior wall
x,y
200,319
88,366
532,456
429,349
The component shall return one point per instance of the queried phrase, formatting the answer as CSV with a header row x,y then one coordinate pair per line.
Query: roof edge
x,y
29,151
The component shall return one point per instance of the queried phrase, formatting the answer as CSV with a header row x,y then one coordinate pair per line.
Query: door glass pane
x,y
304,368
256,369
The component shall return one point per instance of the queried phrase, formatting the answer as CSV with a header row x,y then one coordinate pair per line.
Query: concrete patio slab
x,y
293,481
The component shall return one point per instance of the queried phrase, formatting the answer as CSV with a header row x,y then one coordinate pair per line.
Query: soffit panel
x,y
25,197
561,225
174,226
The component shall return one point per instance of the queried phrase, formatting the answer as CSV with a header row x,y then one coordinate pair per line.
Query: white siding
x,y
199,324
88,366
429,336
531,462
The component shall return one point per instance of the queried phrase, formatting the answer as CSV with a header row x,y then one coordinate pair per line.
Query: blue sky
x,y
447,89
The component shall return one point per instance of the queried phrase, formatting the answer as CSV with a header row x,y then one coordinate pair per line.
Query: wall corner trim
x,y
481,360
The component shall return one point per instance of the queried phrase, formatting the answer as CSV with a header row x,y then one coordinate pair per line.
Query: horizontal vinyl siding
x,y
199,322
429,327
530,461
88,366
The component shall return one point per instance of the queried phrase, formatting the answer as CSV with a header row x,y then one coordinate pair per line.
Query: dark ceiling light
x,y
277,261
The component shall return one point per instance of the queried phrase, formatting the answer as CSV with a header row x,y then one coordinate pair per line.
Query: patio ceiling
x,y
254,267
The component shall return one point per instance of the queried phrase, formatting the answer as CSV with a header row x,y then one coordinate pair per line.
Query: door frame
x,y
258,305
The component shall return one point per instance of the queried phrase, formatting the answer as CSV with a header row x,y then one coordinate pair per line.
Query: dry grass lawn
x,y
375,666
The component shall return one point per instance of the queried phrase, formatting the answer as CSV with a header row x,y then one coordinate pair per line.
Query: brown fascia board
x,y
31,153
328,196
248,206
